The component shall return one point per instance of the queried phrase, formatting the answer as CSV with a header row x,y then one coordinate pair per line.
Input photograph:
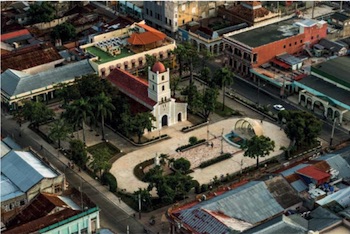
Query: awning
x,y
280,63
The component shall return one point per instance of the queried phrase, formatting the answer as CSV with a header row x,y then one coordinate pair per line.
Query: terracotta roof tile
x,y
313,172
28,57
132,86
14,34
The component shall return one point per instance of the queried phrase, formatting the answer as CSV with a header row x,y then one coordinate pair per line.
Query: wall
x,y
46,185
53,23
43,67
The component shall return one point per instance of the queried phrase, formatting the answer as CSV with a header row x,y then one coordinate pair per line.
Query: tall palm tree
x,y
104,107
59,131
223,78
81,111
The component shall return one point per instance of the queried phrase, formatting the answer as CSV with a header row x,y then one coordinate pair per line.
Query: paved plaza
x,y
123,168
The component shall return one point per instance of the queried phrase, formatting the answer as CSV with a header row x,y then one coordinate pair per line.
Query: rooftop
x,y
104,57
267,34
24,169
327,89
8,189
338,68
337,162
29,57
16,82
322,218
131,86
312,172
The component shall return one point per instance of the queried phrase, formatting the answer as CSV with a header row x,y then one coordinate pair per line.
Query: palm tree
x,y
100,161
258,146
104,108
223,78
81,110
59,131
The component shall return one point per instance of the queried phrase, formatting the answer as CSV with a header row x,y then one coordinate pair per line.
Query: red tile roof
x,y
313,172
150,36
28,57
14,34
132,86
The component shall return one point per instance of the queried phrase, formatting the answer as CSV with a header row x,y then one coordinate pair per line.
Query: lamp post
x,y
332,135
241,165
222,139
139,196
208,130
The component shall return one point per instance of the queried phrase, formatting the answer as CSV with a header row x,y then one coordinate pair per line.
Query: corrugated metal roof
x,y
293,169
4,149
322,218
13,84
342,197
299,186
11,143
24,169
8,189
251,203
337,162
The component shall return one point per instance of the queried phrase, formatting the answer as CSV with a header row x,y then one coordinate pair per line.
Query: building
x,y
154,96
326,90
126,48
32,59
168,16
342,21
50,213
17,86
245,52
23,176
234,209
132,8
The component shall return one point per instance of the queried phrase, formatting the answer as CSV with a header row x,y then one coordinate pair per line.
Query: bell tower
x,y
159,83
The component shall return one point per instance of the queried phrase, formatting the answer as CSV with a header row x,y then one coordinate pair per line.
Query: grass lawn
x,y
227,112
112,150
105,57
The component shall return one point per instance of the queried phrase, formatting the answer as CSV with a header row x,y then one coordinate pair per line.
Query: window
x,y
58,188
163,78
170,22
290,44
284,46
151,13
147,11
84,231
166,20
153,87
163,88
183,21
301,41
318,36
312,37
22,202
295,43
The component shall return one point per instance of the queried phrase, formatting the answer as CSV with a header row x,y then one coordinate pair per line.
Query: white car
x,y
278,107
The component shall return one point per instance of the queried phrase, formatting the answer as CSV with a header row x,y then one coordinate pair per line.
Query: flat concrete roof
x,y
326,88
338,67
267,34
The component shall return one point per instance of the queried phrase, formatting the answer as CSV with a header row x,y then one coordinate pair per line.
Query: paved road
x,y
111,215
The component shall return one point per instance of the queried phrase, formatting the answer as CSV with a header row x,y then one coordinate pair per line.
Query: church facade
x,y
153,96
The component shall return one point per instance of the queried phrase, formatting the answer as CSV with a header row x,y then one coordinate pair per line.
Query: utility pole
x,y
332,135
222,139
207,130
139,195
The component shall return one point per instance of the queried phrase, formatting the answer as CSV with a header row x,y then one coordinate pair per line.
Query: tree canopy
x,y
78,153
36,112
65,31
222,78
43,12
258,146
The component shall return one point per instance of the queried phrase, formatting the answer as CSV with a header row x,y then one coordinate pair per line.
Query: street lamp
x,y
332,135
208,130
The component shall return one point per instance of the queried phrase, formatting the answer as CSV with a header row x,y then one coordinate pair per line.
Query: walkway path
x,y
123,168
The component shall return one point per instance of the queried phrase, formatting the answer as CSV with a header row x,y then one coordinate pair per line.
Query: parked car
x,y
278,107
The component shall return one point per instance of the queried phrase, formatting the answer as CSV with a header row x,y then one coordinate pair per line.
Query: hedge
x,y
215,160
109,179
189,145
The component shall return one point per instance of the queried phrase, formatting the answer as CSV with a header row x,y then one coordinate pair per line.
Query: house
x,y
24,175
234,209
32,59
17,86
51,213
326,90
126,48
332,48
154,96
342,21
244,53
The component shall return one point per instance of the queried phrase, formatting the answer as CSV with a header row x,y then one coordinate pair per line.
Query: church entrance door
x,y
164,120
179,117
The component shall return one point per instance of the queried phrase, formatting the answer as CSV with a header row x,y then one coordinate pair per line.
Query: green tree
x,y
174,84
67,92
59,131
206,56
78,153
223,77
258,146
100,161
41,12
65,31
179,52
140,122
146,199
104,107
182,164
150,61
302,128
209,98
205,75
36,112
81,110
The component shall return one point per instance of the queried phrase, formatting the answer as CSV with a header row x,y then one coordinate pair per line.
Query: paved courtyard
x,y
123,168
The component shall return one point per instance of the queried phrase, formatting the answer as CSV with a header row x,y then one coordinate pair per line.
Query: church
x,y
153,96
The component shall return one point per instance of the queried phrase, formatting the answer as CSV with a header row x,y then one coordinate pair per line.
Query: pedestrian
x,y
120,200
212,145
69,164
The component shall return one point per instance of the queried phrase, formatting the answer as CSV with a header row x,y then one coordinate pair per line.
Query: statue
x,y
156,160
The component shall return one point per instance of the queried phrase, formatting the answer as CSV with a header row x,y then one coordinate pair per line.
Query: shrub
x,y
109,179
215,160
204,188
189,145
192,140
182,165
